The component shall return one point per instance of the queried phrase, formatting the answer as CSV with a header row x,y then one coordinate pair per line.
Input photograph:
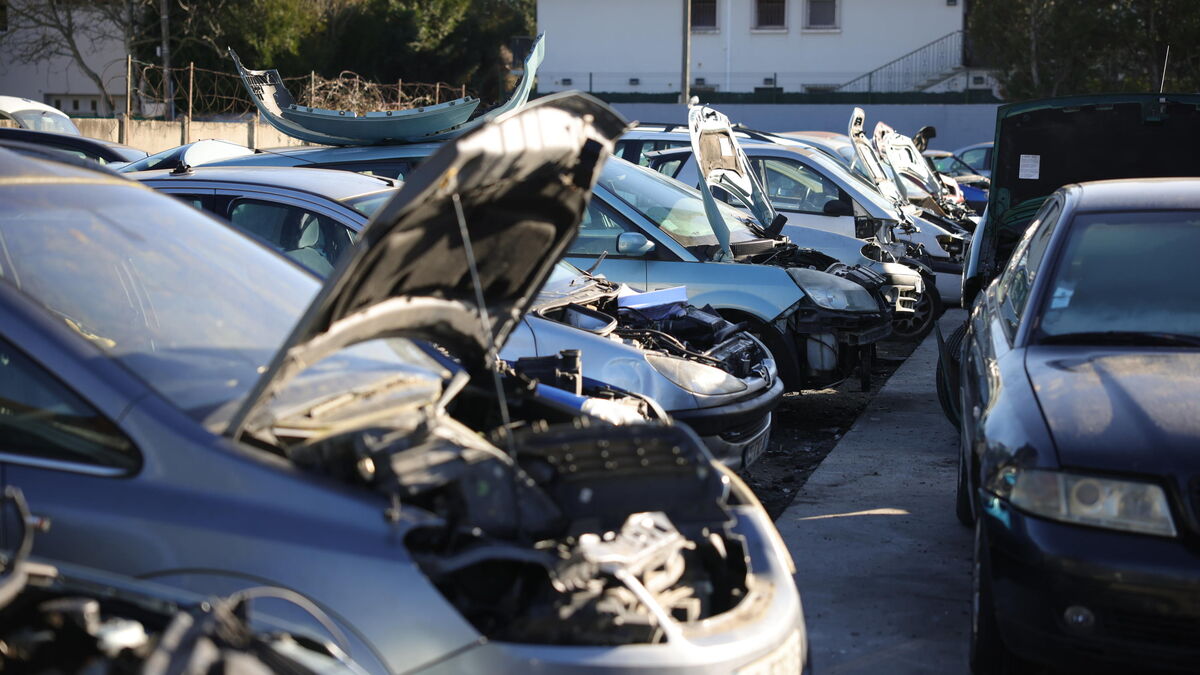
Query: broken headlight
x,y
1132,506
695,377
833,292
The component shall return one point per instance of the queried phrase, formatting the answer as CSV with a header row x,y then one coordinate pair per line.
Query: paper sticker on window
x,y
1062,297
1030,167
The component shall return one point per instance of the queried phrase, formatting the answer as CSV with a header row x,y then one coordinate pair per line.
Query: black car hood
x,y
1120,409
1077,139
523,182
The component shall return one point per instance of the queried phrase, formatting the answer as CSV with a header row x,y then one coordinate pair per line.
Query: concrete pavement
x,y
883,566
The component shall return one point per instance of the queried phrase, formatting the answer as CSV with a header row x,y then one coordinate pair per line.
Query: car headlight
x,y
1131,506
833,292
695,377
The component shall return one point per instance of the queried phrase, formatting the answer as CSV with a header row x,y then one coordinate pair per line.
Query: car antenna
x,y
280,154
1162,85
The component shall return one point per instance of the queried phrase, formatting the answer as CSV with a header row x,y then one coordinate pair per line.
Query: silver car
x,y
695,366
183,413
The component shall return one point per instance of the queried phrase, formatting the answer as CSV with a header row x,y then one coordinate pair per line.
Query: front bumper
x,y
1143,591
765,633
737,432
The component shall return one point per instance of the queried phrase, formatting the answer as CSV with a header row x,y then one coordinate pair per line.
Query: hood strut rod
x,y
487,324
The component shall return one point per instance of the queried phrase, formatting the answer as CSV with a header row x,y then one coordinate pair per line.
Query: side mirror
x,y
633,244
837,207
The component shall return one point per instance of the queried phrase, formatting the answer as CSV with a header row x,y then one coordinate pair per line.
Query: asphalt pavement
x,y
882,564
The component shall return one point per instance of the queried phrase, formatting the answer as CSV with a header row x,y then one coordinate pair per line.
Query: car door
x,y
990,355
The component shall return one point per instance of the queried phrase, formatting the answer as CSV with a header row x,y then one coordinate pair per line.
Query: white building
x,y
58,81
741,45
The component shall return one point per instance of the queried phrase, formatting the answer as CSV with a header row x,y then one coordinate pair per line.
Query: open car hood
x,y
900,151
870,160
343,127
1043,145
522,182
723,164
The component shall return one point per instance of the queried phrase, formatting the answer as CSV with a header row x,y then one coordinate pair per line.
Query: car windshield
x,y
952,166
45,120
369,203
565,280
195,154
1091,293
674,207
190,306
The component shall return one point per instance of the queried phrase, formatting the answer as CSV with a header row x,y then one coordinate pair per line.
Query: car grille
x,y
1179,631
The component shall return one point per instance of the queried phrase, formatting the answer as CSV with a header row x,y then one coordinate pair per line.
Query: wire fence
x,y
200,92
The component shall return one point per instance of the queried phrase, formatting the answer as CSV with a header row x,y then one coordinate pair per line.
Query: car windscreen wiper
x,y
1123,337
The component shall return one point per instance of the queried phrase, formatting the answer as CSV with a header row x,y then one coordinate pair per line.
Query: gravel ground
x,y
808,424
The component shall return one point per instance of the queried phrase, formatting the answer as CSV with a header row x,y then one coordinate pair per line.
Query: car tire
x,y
915,327
962,495
987,653
948,396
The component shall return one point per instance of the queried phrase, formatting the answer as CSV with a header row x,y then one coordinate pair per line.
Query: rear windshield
x,y
44,120
1126,272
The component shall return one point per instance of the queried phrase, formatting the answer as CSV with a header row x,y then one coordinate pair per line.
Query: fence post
x,y
187,134
312,88
437,93
590,82
123,130
252,132
870,85
462,91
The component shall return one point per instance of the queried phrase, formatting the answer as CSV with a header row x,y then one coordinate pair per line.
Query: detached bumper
x,y
1143,593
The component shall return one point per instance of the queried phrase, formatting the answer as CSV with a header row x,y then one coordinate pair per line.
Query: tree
x,y
39,30
1061,47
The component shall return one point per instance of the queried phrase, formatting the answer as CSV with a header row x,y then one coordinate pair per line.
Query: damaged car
x,y
820,319
207,415
700,367
61,618
787,192
696,366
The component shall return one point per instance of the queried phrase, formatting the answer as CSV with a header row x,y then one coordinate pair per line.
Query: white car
x,y
29,114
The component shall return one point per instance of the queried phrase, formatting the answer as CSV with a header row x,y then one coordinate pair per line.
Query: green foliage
x,y
454,41
1064,47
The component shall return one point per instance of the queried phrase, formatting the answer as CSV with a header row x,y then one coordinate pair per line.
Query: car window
x,y
313,240
976,158
390,168
793,186
1125,272
43,420
599,230
1017,280
651,146
45,120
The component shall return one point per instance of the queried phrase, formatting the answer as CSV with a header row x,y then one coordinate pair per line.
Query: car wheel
x,y
988,655
914,327
948,396
962,496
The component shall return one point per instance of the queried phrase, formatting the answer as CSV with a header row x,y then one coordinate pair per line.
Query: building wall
x,y
60,79
617,40
957,124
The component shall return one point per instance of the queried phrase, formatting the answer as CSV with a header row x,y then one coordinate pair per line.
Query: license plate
x,y
756,448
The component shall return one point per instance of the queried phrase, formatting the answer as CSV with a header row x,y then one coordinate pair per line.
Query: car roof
x,y
328,183
19,169
1137,194
299,155
11,103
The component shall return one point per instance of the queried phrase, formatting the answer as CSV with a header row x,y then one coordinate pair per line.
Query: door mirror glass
x,y
837,207
633,244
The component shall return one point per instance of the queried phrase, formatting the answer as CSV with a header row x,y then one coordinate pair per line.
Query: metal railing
x,y
915,71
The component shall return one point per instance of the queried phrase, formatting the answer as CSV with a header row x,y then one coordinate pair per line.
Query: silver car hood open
x,y
521,183
900,151
723,164
870,160
343,127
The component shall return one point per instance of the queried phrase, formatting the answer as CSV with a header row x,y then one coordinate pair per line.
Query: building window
x,y
74,104
704,14
567,81
821,14
770,13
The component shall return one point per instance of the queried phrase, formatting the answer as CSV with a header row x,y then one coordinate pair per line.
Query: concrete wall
x,y
619,39
957,125
156,135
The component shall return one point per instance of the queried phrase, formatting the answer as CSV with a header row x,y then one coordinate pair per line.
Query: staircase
x,y
915,71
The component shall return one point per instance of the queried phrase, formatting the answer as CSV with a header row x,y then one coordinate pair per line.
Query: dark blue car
x,y
1080,464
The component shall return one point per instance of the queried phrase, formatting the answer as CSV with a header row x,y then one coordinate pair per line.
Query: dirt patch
x,y
808,424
